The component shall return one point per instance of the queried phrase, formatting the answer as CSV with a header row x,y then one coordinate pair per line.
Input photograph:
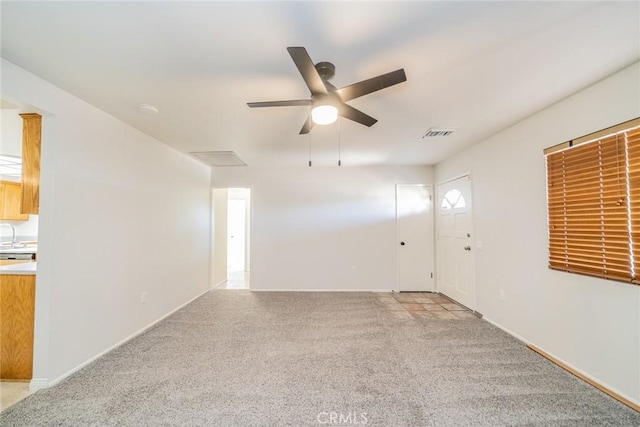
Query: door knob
x,y
467,248
401,243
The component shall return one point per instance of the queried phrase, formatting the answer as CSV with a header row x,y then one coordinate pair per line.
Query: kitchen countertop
x,y
23,268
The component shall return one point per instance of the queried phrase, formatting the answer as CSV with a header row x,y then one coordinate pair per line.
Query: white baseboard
x,y
118,344
569,365
513,334
38,384
220,283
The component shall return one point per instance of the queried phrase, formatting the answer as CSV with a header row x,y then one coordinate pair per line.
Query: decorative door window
x,y
453,200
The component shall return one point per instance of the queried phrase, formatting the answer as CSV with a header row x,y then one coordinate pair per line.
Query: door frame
x,y
215,238
432,247
248,223
438,246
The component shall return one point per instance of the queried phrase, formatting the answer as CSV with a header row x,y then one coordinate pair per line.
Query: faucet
x,y
14,242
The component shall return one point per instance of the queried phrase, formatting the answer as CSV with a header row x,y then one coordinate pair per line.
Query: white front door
x,y
455,254
414,216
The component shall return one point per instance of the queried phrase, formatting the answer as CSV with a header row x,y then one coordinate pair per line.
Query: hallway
x,y
236,280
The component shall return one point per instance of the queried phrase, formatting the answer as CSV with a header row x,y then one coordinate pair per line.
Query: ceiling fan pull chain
x,y
339,142
309,140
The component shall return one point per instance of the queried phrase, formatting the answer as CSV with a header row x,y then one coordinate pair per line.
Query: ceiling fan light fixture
x,y
328,102
324,114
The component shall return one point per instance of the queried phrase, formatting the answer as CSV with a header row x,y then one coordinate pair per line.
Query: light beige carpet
x,y
233,358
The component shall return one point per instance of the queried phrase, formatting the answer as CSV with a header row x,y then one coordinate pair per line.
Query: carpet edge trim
x,y
38,384
513,334
620,397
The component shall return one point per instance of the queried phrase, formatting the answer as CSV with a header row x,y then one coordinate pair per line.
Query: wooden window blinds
x,y
593,204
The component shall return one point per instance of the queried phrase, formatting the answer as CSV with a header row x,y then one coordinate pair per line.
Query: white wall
x,y
323,228
219,260
120,215
11,132
590,323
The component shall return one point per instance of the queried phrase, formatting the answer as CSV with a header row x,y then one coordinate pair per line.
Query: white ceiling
x,y
475,66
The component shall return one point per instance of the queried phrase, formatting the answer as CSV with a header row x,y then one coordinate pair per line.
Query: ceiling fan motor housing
x,y
331,98
326,70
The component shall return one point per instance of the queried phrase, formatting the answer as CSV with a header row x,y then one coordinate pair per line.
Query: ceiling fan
x,y
327,101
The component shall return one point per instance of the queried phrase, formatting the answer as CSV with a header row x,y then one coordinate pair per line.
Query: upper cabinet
x,y
31,139
10,201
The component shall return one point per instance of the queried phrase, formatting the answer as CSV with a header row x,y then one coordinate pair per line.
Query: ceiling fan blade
x,y
365,87
348,112
307,70
292,103
306,128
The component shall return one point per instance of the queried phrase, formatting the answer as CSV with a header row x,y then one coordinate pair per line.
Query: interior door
x,y
414,217
455,255
236,235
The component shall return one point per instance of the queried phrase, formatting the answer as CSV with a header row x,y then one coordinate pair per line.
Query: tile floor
x,y
423,305
12,392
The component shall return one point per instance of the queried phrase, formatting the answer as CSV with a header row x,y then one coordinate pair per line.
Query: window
x,y
453,200
593,204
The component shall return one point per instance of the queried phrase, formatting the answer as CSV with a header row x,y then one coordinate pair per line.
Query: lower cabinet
x,y
17,311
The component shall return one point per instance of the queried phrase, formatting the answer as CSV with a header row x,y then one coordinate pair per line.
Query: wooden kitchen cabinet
x,y
17,312
31,142
11,200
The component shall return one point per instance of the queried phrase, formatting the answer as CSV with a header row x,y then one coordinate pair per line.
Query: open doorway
x,y
238,238
231,238
22,305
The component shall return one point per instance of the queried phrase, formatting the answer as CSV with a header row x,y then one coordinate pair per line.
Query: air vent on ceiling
x,y
432,132
218,158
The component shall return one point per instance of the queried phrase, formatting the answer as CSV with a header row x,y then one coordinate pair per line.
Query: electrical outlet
x,y
143,297
503,295
354,268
